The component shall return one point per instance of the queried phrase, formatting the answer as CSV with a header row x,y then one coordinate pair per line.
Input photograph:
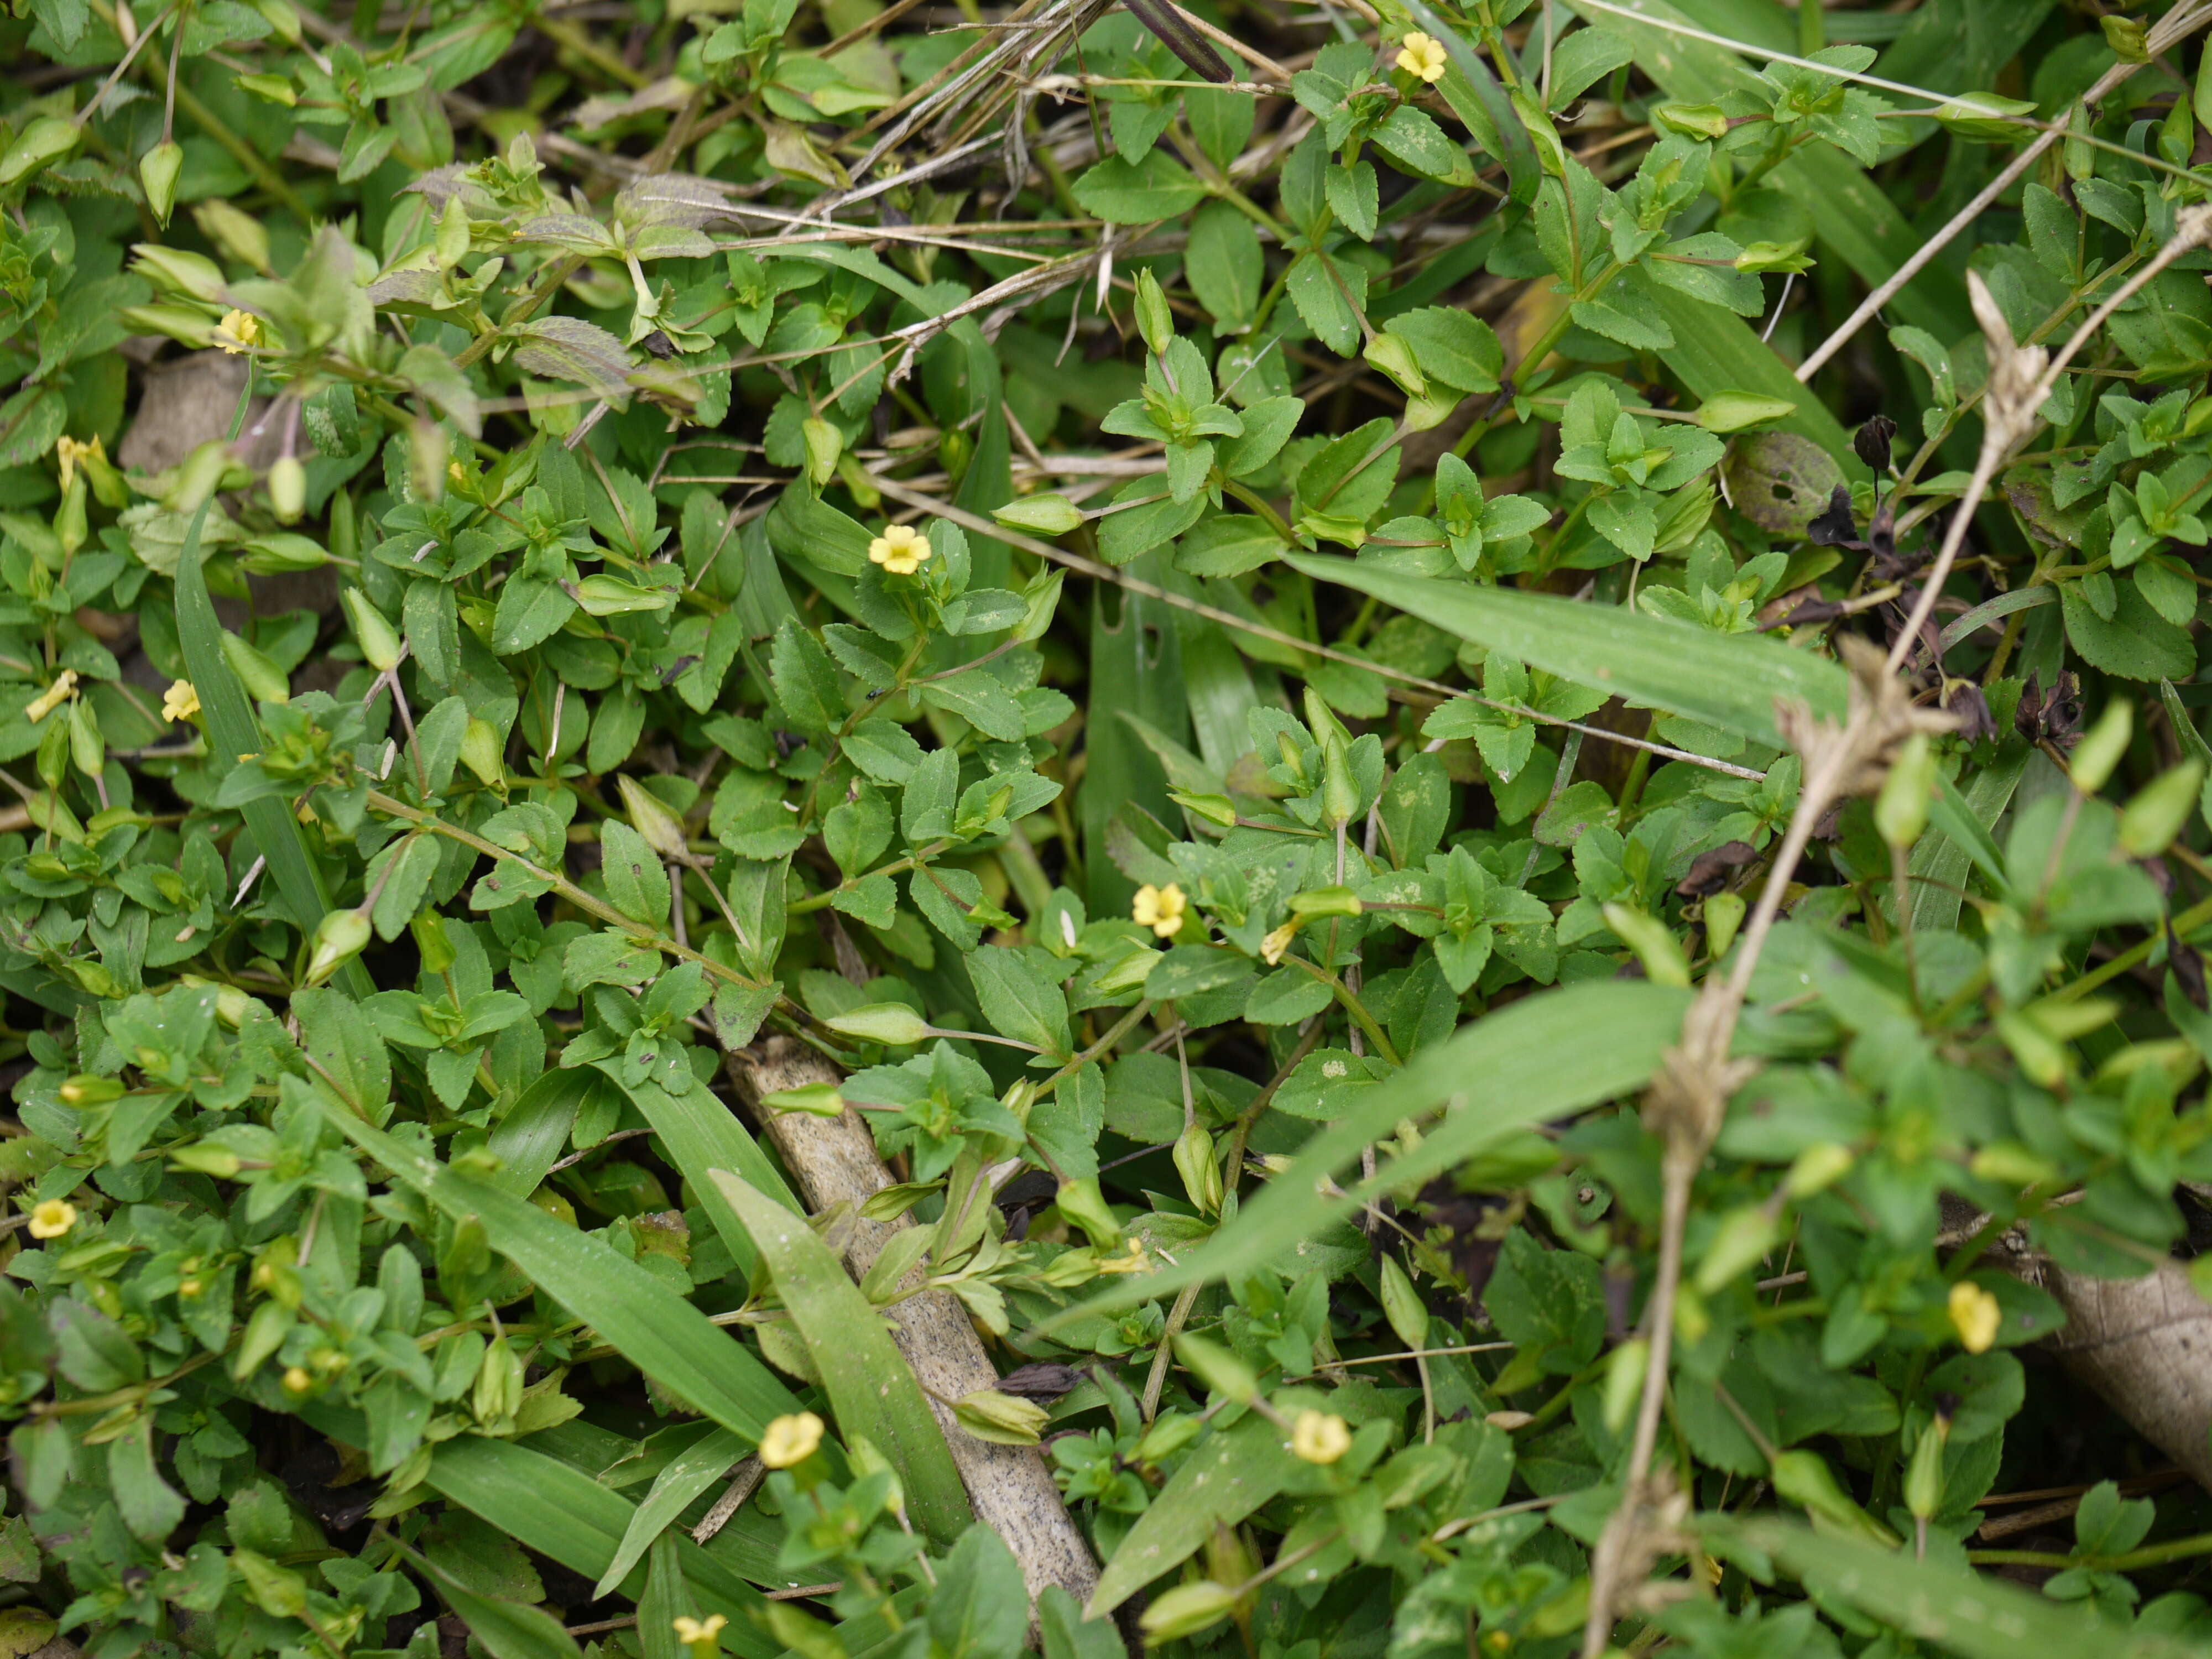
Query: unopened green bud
x,y
2128,37
237,233
288,489
1042,596
1326,902
1003,1420
1900,811
2154,817
1042,515
1654,942
1392,356
339,938
1186,1610
282,554
179,274
891,1024
182,324
814,1099
1201,1175
1707,121
650,817
1217,810
264,681
157,175
1742,1240
1154,320
1804,1478
1339,794
281,17
437,950
498,1392
1982,116
208,1159
2097,755
47,139
71,525
1732,411
378,639
88,1091
1082,1203
1724,913
1924,1476
481,753
2011,1164
824,444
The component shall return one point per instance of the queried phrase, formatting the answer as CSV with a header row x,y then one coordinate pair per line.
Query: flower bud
x,y
208,1159
1154,320
1804,1478
815,1099
1924,1476
650,817
1724,913
481,753
1625,1369
824,444
183,323
1082,1203
236,232
47,139
179,274
1732,411
264,681
1742,1240
157,175
498,1392
1326,902
1186,1610
1201,1175
2100,752
288,489
1044,515
1818,1168
380,641
1392,356
281,17
1222,1371
338,939
891,1024
1003,1420
1708,121
1402,1305
1900,811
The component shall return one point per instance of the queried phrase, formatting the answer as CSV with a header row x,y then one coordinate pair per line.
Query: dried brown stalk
x,y
835,1162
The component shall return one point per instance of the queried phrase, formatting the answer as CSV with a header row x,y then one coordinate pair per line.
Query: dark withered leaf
x,y
1042,1381
1870,443
1963,699
1175,32
1710,870
1835,527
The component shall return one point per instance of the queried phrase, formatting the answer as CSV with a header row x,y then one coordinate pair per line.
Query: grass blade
x,y
1535,1060
655,1329
688,1475
700,1135
870,1386
506,1629
1715,351
1731,681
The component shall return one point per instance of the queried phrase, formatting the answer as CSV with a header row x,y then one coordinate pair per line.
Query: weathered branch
x,y
835,1161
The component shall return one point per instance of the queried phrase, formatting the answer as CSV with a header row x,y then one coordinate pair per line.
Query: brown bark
x,y
835,1160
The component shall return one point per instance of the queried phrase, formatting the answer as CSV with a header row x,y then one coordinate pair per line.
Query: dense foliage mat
x,y
1438,767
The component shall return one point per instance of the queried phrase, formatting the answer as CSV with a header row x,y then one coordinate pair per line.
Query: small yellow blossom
x,y
701,1635
790,1440
53,697
1160,908
1320,1437
1422,56
181,702
1272,947
902,549
1975,1316
52,1219
297,1380
70,452
237,332
1134,1262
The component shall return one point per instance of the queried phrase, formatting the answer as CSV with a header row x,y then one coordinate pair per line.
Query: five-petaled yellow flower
x,y
1160,908
53,1217
53,697
902,549
790,1440
180,702
238,331
1975,1316
1320,1437
701,1635
1272,947
1422,56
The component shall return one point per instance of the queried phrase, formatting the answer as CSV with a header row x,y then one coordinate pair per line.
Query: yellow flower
x,y
53,697
1975,1316
701,1635
70,452
237,332
900,550
1134,1262
790,1440
52,1219
297,1380
1272,947
181,702
1320,1437
1160,908
1422,56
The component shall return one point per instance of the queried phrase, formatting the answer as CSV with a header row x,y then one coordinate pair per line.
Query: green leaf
x,y
653,1328
1544,1057
507,1630
1730,681
870,1386
981,1610
683,1478
1154,189
1021,1001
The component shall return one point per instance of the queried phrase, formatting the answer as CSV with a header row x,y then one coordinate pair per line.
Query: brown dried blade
x,y
1175,32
